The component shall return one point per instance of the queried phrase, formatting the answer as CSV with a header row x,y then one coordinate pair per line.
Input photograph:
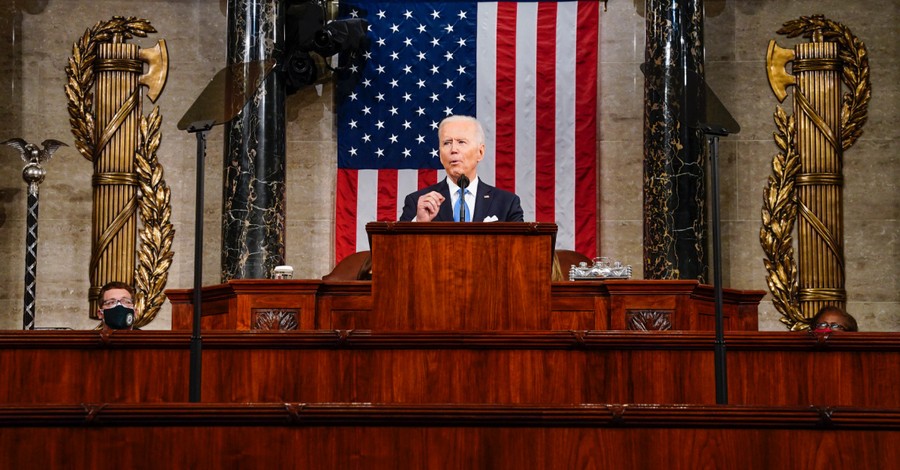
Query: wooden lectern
x,y
453,276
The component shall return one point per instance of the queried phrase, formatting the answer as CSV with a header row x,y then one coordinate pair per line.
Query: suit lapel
x,y
445,213
485,201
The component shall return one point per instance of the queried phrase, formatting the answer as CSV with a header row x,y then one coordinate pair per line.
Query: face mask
x,y
119,317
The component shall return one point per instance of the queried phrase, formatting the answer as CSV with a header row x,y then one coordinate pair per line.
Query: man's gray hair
x,y
479,130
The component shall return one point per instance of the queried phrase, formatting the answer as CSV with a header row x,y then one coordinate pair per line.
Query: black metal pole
x,y
213,106
200,130
721,372
31,238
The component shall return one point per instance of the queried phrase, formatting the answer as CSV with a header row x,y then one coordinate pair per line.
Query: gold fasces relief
x,y
805,187
121,143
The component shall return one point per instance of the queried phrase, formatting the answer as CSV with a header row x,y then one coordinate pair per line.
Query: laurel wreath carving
x,y
156,234
779,201
778,215
855,73
154,205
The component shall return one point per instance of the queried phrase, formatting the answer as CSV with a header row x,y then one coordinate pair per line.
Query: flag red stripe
x,y
387,195
345,214
427,178
545,101
586,92
505,138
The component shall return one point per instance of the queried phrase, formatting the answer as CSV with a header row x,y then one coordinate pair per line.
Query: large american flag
x,y
526,70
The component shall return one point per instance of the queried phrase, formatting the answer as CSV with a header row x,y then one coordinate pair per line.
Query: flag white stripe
x,y
566,36
526,70
407,182
486,87
366,205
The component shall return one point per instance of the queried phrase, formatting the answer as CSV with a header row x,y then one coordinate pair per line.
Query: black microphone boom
x,y
463,183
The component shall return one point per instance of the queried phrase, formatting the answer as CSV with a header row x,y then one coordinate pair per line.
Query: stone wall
x,y
36,41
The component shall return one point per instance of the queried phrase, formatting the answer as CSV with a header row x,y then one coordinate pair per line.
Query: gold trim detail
x,y
114,178
119,65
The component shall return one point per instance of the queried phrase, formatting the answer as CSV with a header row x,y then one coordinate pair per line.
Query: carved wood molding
x,y
274,319
648,320
442,415
367,339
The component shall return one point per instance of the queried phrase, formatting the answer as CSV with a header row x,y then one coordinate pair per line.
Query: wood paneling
x,y
551,367
451,276
376,436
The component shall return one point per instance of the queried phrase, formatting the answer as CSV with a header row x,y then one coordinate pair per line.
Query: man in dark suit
x,y
461,140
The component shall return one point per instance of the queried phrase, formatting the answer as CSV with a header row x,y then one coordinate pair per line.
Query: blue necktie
x,y
461,200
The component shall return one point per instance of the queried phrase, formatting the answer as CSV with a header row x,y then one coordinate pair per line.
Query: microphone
x,y
463,183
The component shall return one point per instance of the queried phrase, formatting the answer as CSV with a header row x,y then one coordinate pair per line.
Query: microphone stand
x,y
712,134
221,101
720,363
200,129
715,122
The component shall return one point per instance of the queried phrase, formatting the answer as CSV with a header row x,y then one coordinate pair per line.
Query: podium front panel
x,y
452,276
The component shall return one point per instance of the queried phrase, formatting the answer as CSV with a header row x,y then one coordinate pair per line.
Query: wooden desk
x,y
251,304
579,305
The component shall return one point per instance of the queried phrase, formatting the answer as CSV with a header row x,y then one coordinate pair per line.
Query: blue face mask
x,y
119,317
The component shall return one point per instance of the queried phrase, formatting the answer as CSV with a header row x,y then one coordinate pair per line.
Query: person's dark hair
x,y
851,322
115,285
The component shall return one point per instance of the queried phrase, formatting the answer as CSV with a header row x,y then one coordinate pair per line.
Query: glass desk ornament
x,y
601,269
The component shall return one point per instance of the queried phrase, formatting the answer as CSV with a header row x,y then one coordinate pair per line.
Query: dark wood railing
x,y
548,367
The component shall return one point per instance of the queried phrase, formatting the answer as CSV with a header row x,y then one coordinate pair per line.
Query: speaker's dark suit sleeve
x,y
409,206
410,203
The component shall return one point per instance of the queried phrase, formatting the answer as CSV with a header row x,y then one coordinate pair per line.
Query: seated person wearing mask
x,y
831,318
461,140
116,310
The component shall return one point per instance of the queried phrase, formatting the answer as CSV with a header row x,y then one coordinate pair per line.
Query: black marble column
x,y
253,210
675,234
